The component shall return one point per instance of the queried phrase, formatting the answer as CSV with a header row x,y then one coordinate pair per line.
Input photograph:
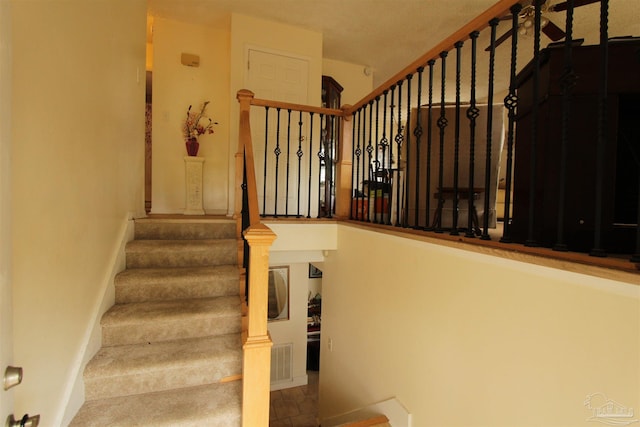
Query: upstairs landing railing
x,y
544,144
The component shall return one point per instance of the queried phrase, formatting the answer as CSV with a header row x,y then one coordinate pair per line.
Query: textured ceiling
x,y
385,35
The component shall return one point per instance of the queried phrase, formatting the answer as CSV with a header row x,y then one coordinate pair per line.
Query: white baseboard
x,y
74,389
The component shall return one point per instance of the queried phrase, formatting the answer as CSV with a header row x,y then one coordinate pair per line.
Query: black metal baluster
x,y
472,114
429,225
266,147
567,82
369,151
531,241
408,149
487,164
377,164
395,174
597,250
511,103
286,195
277,152
442,124
417,132
310,164
321,157
399,137
299,153
363,128
456,154
355,161
384,143
331,164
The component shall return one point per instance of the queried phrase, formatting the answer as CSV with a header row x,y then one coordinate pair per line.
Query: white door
x,y
282,78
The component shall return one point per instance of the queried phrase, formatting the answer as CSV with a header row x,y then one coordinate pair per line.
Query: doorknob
x,y
25,421
12,376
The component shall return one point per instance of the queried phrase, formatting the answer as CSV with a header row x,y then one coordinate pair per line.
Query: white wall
x,y
464,339
175,87
77,173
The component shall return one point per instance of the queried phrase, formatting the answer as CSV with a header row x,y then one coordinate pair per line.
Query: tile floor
x,y
297,406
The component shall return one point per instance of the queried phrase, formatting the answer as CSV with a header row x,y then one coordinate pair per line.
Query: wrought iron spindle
x,y
355,161
456,154
417,132
408,149
399,137
321,156
277,152
395,174
487,164
362,128
567,82
511,103
531,241
286,193
602,127
299,153
266,148
384,143
369,151
428,225
472,114
310,163
376,162
330,164
442,124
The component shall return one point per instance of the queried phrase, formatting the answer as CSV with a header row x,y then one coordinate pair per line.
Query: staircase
x,y
171,348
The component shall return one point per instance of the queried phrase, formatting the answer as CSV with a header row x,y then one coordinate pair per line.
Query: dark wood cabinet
x,y
620,190
331,93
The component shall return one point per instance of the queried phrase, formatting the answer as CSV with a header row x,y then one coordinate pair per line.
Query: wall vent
x,y
281,363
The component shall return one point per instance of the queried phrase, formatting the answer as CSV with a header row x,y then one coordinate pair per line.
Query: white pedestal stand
x,y
193,180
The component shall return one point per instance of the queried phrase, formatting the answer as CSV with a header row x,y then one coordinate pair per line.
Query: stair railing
x,y
258,239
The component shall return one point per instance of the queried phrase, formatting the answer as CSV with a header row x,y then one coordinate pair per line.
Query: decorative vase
x,y
192,146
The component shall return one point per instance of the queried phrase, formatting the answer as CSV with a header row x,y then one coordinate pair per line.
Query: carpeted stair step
x,y
153,229
214,405
180,253
158,284
155,321
145,368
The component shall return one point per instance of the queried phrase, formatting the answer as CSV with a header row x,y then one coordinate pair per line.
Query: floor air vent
x,y
281,364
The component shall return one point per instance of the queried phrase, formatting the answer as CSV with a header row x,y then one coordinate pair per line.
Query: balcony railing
x,y
487,129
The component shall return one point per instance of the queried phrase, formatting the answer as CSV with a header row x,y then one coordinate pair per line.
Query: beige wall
x,y
175,87
6,312
76,176
464,339
351,77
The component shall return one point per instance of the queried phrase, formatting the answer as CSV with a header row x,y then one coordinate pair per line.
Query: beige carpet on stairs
x,y
171,349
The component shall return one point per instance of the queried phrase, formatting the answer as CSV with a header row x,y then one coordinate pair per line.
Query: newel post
x,y
344,168
257,342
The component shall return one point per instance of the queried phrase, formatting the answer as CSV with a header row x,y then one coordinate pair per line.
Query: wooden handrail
x,y
296,107
479,23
